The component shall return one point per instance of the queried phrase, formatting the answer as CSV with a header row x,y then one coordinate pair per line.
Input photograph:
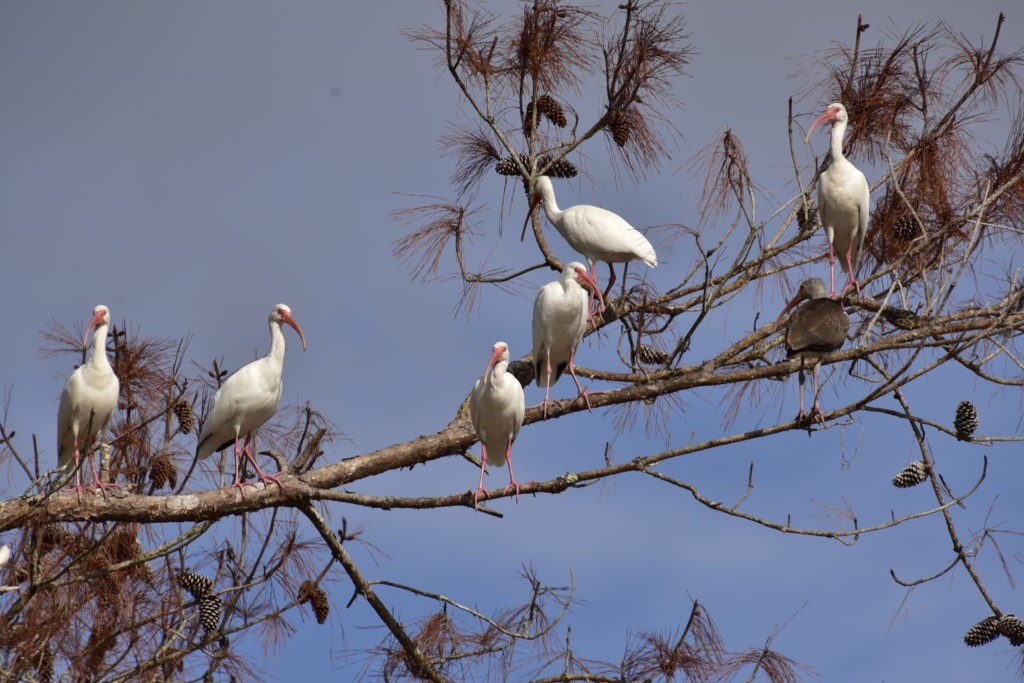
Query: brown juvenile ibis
x,y
813,330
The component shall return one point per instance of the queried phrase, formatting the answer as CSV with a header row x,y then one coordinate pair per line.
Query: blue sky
x,y
192,164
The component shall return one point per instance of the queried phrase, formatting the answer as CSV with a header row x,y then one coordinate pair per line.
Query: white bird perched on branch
x,y
844,202
247,399
597,233
496,407
87,403
559,321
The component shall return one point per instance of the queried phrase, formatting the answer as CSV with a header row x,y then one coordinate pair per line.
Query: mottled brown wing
x,y
819,325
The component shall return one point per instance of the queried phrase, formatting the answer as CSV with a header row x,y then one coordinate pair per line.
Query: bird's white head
x,y
499,353
100,316
834,112
577,271
811,288
283,314
541,186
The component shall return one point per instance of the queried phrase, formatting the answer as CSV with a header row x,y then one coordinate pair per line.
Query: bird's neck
x,y
276,353
98,353
551,209
570,286
497,376
838,132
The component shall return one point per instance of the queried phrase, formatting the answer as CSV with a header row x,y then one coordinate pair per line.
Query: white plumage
x,y
87,403
559,321
597,233
496,407
247,399
844,201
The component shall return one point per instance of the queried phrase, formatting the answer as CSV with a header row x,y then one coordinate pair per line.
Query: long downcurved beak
x,y
585,278
97,318
793,302
286,317
495,357
533,205
829,115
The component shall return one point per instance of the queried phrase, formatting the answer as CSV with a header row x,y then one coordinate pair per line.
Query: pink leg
x,y
238,483
611,269
585,394
831,270
801,413
512,483
849,264
483,467
592,311
262,475
547,388
102,486
77,488
816,408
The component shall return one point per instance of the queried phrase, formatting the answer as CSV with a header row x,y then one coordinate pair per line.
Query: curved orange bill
x,y
495,357
793,302
585,278
97,318
286,317
829,115
533,205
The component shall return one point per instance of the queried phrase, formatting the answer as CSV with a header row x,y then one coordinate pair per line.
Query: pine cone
x,y
619,126
183,411
101,640
507,166
985,631
209,612
1013,628
966,420
53,535
162,472
904,228
317,598
648,355
552,110
559,168
547,107
196,584
123,545
807,215
911,475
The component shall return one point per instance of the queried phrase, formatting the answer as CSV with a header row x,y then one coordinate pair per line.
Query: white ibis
x,y
496,407
597,233
844,201
559,321
246,400
87,403
818,327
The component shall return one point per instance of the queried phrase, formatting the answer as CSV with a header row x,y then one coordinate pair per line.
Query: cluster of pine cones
x,y
199,588
990,628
